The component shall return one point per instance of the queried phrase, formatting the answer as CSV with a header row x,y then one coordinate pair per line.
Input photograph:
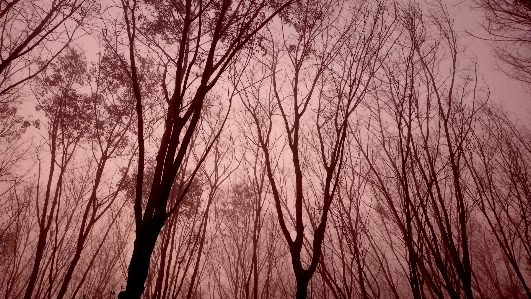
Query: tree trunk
x,y
302,287
139,266
41,244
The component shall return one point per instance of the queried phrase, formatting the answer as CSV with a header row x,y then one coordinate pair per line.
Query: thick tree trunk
x,y
139,266
302,287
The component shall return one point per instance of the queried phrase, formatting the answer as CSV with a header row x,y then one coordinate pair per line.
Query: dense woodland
x,y
261,149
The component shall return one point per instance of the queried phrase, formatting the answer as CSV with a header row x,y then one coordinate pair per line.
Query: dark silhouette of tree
x,y
197,42
320,70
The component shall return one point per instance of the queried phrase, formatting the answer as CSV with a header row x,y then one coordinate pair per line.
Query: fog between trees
x,y
260,149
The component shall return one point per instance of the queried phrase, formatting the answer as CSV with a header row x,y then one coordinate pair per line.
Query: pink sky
x,y
509,92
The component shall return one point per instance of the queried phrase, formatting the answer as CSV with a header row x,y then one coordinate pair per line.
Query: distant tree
x,y
66,110
246,250
17,224
109,132
420,131
34,33
348,266
499,163
509,23
88,119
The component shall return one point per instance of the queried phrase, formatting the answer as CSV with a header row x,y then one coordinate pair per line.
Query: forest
x,y
254,149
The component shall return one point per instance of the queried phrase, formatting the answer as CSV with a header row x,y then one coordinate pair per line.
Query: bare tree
x,y
363,142
499,165
320,70
509,22
350,265
422,124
